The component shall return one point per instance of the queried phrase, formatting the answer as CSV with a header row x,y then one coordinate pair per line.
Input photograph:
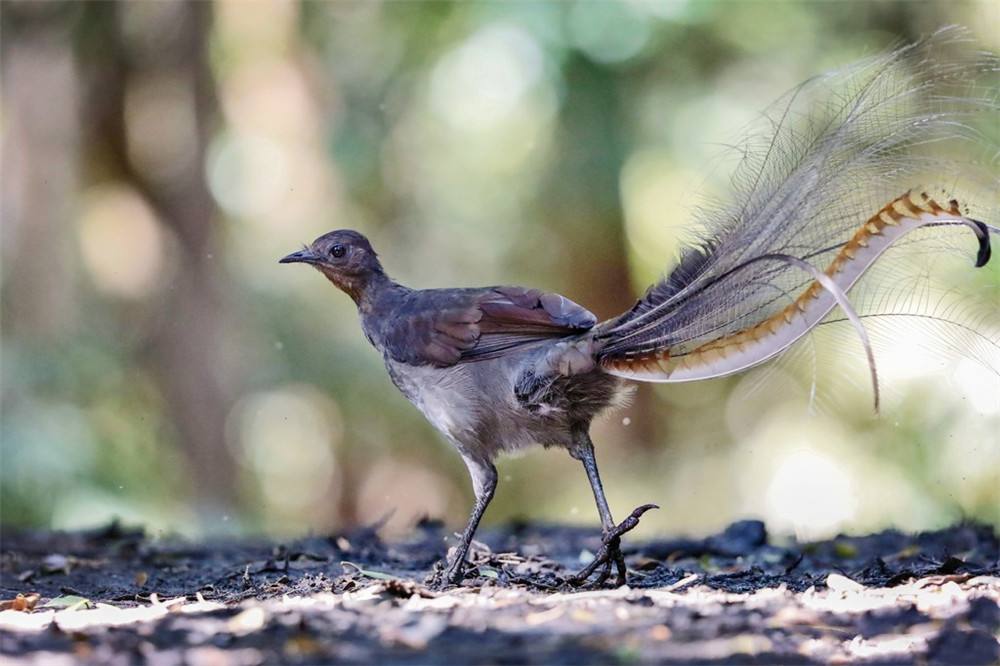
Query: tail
x,y
629,351
806,222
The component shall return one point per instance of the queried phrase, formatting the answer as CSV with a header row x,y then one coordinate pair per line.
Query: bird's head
x,y
345,257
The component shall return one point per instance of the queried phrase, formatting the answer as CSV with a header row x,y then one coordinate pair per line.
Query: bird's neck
x,y
365,289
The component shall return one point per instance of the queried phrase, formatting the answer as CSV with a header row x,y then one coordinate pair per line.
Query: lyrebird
x,y
819,197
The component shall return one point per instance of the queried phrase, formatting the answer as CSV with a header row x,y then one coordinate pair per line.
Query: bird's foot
x,y
447,575
610,553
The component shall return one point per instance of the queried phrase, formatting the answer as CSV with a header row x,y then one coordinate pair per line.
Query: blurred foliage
x,y
158,158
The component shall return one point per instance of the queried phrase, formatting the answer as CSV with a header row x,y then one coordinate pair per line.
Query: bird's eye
x,y
338,251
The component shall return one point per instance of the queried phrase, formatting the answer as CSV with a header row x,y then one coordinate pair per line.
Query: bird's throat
x,y
363,288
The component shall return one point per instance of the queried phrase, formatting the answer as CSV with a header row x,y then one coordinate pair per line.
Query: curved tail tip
x,y
985,251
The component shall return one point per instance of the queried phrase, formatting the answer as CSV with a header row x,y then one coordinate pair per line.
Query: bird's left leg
x,y
610,550
484,484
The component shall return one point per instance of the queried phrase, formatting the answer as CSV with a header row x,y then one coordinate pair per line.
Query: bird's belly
x,y
445,396
474,406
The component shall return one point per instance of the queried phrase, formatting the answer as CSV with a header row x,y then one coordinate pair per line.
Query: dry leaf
x,y
22,602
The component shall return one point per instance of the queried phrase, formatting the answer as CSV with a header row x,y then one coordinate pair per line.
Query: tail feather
x,y
749,290
756,344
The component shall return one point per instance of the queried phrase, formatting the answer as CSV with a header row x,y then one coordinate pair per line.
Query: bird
x,y
823,193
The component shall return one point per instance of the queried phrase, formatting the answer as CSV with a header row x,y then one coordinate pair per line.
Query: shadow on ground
x,y
115,596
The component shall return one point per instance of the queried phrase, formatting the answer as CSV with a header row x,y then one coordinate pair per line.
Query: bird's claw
x,y
610,552
449,575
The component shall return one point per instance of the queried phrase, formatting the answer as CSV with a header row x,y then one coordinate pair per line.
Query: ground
x,y
115,596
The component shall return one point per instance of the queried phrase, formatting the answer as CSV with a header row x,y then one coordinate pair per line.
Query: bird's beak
x,y
304,256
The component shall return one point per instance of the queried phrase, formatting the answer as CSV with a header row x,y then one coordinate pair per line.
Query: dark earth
x,y
117,596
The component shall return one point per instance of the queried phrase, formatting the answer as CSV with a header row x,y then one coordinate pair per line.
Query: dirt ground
x,y
115,596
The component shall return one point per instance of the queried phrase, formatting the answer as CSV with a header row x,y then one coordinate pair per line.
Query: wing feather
x,y
445,327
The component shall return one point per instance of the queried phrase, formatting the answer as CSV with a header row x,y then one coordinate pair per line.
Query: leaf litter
x,y
115,595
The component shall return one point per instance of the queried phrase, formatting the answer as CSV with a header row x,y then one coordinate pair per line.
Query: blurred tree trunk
x,y
41,133
124,46
589,215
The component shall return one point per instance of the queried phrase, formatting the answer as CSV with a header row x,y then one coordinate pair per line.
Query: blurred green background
x,y
160,366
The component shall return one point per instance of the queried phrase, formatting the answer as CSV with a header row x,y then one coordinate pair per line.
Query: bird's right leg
x,y
484,484
610,551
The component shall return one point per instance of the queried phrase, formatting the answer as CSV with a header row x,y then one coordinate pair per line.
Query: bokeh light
x,y
287,437
122,243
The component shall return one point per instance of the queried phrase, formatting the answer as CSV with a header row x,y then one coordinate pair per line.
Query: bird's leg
x,y
484,483
610,550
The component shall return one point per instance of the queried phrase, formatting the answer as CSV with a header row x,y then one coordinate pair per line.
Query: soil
x,y
116,596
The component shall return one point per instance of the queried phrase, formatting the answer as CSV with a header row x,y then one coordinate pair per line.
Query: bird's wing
x,y
445,327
